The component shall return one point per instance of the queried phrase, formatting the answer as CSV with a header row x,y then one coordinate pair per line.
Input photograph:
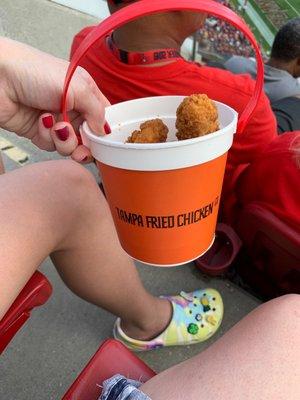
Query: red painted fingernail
x,y
48,121
107,129
62,133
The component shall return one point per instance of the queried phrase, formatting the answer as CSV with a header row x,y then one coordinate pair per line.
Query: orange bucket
x,y
164,197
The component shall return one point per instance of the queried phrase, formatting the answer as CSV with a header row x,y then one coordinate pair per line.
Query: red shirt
x,y
120,82
273,180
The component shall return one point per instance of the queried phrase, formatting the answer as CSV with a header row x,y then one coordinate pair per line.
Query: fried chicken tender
x,y
152,131
197,116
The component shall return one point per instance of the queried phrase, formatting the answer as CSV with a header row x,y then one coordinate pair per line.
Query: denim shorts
x,y
120,388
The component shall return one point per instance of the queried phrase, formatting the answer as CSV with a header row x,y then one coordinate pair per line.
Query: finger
x,y
45,123
64,138
107,129
39,132
82,155
76,120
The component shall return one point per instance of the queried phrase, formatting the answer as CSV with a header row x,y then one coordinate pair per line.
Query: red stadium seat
x,y
273,252
218,259
35,293
111,358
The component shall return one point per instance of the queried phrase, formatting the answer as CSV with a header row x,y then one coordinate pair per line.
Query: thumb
x,y
88,100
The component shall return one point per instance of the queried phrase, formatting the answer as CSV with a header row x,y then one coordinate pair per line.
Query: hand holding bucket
x,y
164,197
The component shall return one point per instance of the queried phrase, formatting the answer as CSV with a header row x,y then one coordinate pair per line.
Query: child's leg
x,y
1,165
57,208
258,359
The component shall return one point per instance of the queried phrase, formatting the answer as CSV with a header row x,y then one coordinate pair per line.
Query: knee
x,y
72,175
283,313
288,305
81,189
75,174
67,179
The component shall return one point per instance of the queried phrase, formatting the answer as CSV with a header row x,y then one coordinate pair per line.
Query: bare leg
x,y
56,208
258,359
1,166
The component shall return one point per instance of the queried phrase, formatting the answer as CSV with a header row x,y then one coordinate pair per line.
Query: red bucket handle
x,y
142,8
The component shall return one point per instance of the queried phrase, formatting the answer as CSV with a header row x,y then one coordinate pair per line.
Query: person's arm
x,y
31,83
237,65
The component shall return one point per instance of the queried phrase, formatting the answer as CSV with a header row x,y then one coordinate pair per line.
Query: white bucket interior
x,y
126,117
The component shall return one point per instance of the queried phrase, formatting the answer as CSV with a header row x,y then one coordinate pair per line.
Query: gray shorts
x,y
120,388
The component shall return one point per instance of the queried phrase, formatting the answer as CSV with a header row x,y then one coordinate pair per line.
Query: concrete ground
x,y
45,357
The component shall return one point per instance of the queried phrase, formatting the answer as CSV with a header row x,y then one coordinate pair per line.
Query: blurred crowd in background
x,y
230,42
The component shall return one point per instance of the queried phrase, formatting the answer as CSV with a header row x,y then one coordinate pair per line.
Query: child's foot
x,y
196,317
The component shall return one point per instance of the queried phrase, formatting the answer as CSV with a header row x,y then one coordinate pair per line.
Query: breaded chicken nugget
x,y
197,115
152,131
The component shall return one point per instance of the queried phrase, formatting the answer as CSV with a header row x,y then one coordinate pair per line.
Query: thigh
x,y
38,206
258,359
